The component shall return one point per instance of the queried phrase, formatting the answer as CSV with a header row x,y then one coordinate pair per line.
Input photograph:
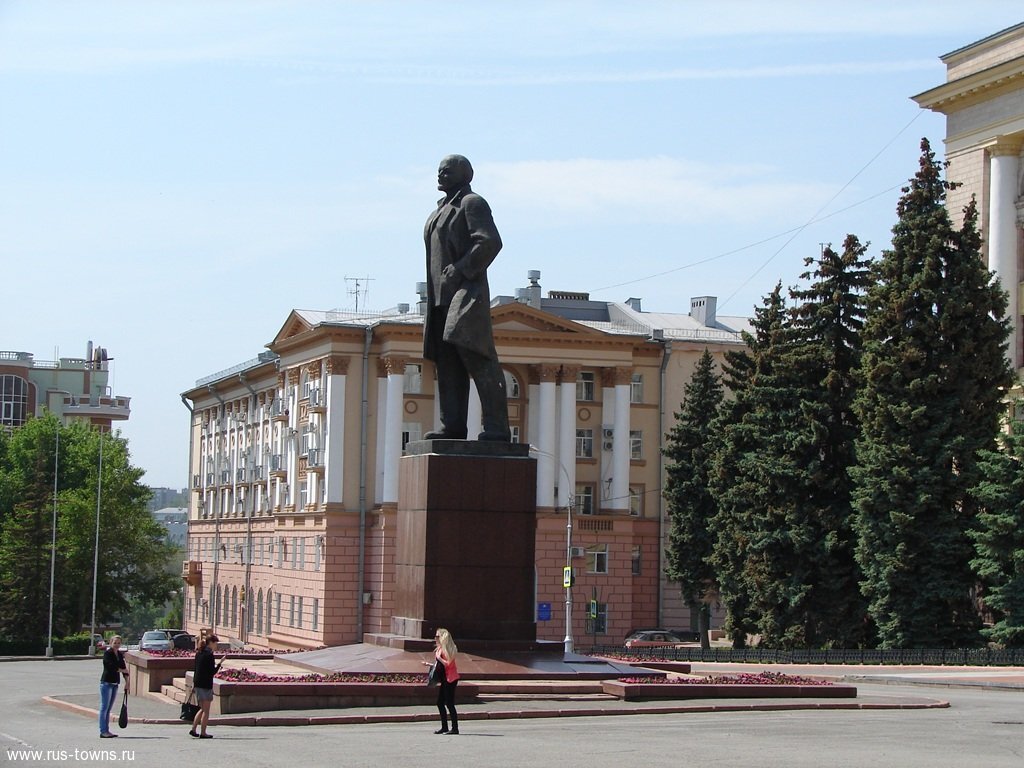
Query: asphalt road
x,y
982,729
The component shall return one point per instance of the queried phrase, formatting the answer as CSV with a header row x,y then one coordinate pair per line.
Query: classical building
x,y
295,456
73,388
983,100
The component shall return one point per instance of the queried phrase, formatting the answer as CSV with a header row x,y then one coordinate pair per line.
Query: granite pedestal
x,y
465,541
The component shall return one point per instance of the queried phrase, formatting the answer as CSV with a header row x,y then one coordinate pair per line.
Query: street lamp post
x,y
96,551
568,643
53,544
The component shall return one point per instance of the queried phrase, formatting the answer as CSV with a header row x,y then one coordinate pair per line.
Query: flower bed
x,y
760,685
242,690
248,676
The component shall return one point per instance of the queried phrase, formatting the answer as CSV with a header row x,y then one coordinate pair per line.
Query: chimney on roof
x,y
703,309
421,291
533,289
633,303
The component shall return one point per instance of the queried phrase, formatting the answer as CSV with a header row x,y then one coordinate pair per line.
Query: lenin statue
x,y
461,242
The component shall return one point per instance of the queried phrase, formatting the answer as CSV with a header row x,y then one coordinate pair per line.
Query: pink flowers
x,y
743,678
247,676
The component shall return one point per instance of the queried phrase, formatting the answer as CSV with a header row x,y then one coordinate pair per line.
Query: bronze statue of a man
x,y
461,242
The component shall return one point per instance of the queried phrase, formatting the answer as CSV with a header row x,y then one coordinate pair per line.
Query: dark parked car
x,y
181,639
652,638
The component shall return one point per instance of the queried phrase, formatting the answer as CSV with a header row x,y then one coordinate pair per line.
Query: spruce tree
x,y
689,448
738,481
999,539
932,368
822,358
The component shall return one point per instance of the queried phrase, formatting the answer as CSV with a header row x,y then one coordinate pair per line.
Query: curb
x,y
523,714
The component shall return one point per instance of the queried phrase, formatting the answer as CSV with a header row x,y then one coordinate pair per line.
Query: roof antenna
x,y
359,287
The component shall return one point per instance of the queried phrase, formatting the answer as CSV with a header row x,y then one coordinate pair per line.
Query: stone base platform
x,y
489,663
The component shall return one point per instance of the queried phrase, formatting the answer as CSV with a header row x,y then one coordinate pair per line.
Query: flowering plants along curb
x,y
248,676
744,678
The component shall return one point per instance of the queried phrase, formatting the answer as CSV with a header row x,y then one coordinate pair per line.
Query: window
x,y
277,608
269,593
316,613
318,553
259,611
302,553
295,552
584,443
585,386
636,444
636,502
299,616
635,557
411,432
514,429
13,401
512,390
597,558
636,388
597,621
303,493
584,499
412,383
291,610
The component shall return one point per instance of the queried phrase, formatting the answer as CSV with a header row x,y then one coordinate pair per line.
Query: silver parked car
x,y
155,640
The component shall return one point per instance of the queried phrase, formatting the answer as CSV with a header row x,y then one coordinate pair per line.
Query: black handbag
x,y
188,709
436,673
122,719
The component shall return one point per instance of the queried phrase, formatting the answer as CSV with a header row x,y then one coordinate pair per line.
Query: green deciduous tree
x,y
132,551
932,368
689,448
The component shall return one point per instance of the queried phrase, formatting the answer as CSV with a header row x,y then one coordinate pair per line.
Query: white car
x,y
155,640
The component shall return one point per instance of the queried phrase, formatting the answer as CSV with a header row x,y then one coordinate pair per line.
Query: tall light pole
x,y
96,551
53,544
568,644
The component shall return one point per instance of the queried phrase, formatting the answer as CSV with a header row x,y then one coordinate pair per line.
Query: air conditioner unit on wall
x,y
607,433
577,552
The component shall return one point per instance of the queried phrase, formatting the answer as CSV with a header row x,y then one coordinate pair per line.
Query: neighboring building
x,y
294,459
167,497
175,522
983,100
73,388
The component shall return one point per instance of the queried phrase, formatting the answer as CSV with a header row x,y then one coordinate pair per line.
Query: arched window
x,y
270,594
234,607
259,611
218,614
250,606
13,400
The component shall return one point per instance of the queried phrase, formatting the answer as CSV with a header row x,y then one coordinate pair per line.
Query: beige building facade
x,y
295,459
983,101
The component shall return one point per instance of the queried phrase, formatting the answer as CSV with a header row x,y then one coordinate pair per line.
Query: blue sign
x,y
543,611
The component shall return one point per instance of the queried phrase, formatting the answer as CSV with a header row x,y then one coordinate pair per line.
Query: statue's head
x,y
453,173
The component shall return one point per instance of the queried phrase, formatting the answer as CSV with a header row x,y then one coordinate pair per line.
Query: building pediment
x,y
295,325
522,317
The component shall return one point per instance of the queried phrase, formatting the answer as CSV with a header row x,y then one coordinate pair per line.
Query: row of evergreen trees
x,y
849,493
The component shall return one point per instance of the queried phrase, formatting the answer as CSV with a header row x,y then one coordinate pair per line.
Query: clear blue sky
x,y
175,177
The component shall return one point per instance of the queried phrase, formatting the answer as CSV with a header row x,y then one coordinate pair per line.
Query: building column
x,y
334,428
381,424
291,439
1002,231
566,478
474,413
393,427
620,440
546,459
